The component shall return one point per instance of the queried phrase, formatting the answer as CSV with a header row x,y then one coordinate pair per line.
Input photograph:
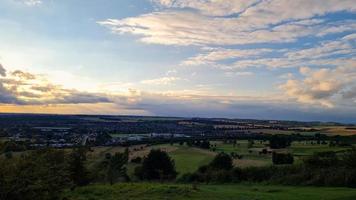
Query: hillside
x,y
148,191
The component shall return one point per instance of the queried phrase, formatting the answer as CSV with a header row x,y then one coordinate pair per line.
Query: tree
x,y
78,172
221,161
157,166
126,155
39,175
279,142
349,158
205,144
282,158
116,167
136,160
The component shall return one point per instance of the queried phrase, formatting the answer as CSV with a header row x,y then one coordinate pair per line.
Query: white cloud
x,y
231,74
161,81
265,21
209,7
187,28
326,87
275,11
218,54
317,55
31,2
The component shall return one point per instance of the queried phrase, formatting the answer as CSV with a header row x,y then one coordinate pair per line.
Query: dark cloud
x,y
6,96
243,109
19,89
2,71
76,97
23,75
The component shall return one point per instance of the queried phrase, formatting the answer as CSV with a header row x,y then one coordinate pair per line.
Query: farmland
x,y
189,159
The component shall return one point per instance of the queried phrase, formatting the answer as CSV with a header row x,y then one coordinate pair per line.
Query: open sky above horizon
x,y
262,59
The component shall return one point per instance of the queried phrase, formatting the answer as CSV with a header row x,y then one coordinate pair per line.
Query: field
x,y
155,191
339,130
302,149
189,159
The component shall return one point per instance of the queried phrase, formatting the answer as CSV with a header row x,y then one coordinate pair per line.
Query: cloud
x,y
17,93
187,28
2,71
24,88
208,7
261,22
161,81
213,56
326,53
230,74
277,11
23,75
325,87
31,2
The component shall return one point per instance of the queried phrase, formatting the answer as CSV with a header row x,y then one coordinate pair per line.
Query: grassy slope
x,y
189,159
300,149
147,191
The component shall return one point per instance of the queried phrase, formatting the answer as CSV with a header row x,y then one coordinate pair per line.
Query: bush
x,y
37,175
280,158
221,161
279,142
136,160
157,166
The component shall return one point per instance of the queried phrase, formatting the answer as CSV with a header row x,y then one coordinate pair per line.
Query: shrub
x,y
37,175
280,158
136,160
158,166
221,161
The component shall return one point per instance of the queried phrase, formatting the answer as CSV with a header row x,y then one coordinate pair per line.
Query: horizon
x,y
263,60
182,117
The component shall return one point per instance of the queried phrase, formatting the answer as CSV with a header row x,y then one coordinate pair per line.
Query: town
x,y
60,131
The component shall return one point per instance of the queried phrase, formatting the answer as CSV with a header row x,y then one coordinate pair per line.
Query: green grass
x,y
252,158
300,149
155,191
190,159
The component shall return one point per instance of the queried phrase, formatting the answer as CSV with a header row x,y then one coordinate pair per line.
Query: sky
x,y
260,59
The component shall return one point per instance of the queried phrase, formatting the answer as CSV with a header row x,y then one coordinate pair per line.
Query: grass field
x,y
301,149
155,191
189,159
328,130
251,157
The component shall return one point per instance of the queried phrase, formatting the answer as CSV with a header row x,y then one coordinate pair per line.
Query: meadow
x,y
189,159
157,191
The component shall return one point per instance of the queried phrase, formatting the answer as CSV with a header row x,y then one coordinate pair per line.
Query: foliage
x,y
136,160
116,167
222,161
13,146
321,169
38,175
250,144
157,166
78,172
282,158
279,142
